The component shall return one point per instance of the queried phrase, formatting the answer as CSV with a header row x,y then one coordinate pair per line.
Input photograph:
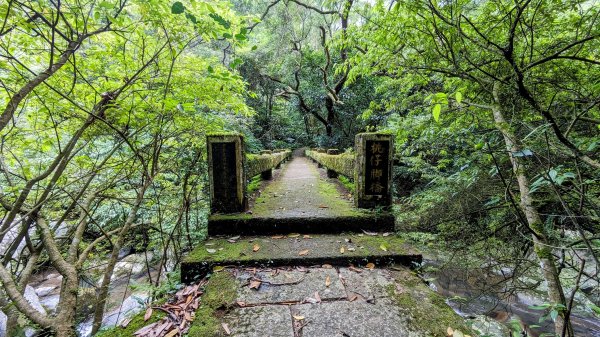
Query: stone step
x,y
248,224
297,250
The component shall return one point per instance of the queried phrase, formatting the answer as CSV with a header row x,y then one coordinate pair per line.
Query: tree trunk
x,y
540,238
112,261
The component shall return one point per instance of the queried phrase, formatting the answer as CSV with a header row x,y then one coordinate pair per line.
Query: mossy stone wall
x,y
340,163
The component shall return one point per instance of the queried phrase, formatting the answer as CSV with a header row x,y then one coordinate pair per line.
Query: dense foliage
x,y
105,106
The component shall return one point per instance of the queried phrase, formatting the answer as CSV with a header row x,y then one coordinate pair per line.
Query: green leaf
x,y
177,8
458,97
191,17
106,4
254,47
437,109
211,69
554,314
220,20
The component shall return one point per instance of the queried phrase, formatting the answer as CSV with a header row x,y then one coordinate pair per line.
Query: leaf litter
x,y
180,312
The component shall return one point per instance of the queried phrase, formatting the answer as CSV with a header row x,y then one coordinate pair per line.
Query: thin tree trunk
x,y
112,261
540,238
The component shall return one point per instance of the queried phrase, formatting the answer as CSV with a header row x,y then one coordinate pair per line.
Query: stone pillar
x,y
226,160
373,170
331,173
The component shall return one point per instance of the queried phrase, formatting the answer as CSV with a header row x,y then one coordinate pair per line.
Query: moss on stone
x,y
340,163
225,251
219,295
428,310
254,184
233,216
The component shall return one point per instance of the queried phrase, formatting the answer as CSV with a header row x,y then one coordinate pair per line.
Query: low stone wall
x,y
341,163
259,163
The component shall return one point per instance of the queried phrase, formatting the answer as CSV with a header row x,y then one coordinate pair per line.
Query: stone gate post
x,y
373,170
226,173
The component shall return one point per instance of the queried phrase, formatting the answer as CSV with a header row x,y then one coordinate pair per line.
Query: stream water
x,y
473,292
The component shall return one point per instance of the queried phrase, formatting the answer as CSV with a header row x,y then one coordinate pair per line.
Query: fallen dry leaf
x,y
148,314
241,304
306,236
293,235
327,281
255,284
387,234
299,318
218,268
210,250
323,206
342,250
303,253
173,333
277,237
369,233
256,247
352,298
370,265
226,328
327,266
145,330
354,269
317,297
449,331
125,322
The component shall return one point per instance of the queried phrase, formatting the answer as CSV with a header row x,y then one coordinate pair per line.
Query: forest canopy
x,y
105,107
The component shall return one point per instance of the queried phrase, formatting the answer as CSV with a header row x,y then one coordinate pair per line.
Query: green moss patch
x,y
427,309
219,295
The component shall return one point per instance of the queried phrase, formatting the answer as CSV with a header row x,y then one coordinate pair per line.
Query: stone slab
x,y
358,249
272,321
291,286
369,284
356,319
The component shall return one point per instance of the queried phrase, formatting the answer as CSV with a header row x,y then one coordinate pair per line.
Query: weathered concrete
x,y
291,286
298,250
356,319
370,284
227,179
273,321
319,302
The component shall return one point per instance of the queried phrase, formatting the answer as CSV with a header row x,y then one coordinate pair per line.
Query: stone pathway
x,y
333,302
316,302
300,191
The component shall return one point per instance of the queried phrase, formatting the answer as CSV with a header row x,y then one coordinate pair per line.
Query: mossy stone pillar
x,y
373,170
226,173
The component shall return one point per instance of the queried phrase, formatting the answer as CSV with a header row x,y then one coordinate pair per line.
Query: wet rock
x,y
33,299
125,251
44,291
3,322
132,304
488,327
50,302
